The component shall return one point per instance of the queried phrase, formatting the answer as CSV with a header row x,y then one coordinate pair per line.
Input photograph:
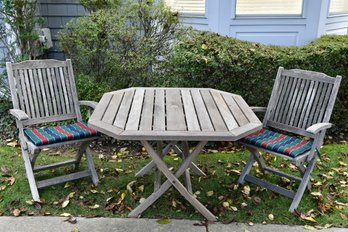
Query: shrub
x,y
121,43
205,59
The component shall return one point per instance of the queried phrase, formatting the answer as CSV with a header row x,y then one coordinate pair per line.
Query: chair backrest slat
x,y
44,89
300,99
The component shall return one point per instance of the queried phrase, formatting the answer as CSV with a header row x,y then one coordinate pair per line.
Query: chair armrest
x,y
314,129
20,115
91,104
258,109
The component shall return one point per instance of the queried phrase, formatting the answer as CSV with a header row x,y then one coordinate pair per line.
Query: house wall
x,y
56,14
290,30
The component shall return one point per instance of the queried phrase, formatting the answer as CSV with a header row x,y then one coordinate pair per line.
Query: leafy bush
x,y
121,43
205,59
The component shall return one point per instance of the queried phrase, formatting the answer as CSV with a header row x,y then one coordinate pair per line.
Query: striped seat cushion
x,y
56,134
280,143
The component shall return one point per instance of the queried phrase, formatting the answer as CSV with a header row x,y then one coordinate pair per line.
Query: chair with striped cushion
x,y
43,91
295,123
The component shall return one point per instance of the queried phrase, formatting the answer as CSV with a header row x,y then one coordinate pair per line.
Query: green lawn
x,y
112,199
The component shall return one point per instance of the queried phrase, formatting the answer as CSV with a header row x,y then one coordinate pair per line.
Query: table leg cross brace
x,y
172,180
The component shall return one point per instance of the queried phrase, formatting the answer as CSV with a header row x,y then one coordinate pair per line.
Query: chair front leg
x,y
91,167
303,185
30,175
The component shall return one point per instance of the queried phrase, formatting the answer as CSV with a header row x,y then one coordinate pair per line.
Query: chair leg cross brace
x,y
172,180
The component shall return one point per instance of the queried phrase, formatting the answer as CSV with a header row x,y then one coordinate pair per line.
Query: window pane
x,y
269,7
187,6
338,7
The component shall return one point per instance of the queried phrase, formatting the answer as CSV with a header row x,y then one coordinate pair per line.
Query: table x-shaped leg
x,y
172,180
165,151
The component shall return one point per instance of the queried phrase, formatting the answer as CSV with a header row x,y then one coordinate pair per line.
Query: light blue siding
x,y
289,30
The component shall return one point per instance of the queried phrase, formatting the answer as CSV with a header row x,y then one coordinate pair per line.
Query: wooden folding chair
x,y
44,91
301,104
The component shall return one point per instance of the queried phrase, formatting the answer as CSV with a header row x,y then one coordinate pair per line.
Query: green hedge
x,y
205,59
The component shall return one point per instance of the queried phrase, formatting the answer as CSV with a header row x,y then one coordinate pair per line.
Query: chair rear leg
x,y
303,185
246,169
91,166
302,170
30,176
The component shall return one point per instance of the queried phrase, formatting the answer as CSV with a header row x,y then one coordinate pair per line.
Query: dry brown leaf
x,y
96,206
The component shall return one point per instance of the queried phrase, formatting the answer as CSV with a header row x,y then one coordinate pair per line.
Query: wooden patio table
x,y
172,115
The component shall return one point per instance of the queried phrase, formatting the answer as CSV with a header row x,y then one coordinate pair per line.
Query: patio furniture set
x,y
162,119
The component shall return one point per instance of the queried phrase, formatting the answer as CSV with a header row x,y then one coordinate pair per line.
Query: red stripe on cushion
x,y
40,136
93,132
256,133
290,149
264,144
70,136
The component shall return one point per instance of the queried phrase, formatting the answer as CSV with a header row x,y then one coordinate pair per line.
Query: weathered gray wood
x,y
62,179
225,112
44,91
215,116
54,165
194,168
112,109
185,154
136,109
157,182
101,108
159,123
237,112
190,111
299,99
122,115
203,116
272,187
146,116
172,180
174,111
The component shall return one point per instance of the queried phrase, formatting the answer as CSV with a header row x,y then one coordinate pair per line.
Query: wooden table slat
x,y
225,112
101,107
122,115
203,116
237,112
247,110
175,111
159,120
213,111
147,114
113,107
136,109
190,112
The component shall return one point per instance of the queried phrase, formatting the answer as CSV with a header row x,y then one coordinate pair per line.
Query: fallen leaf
x,y
316,194
246,190
31,202
141,188
75,230
310,219
163,221
271,217
225,204
71,220
342,163
96,206
142,200
210,193
130,185
234,208
17,212
65,203
12,144
65,215
2,187
123,195
308,227
5,169
93,191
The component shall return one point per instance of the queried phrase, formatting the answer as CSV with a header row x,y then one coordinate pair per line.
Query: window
x,y
187,6
269,7
338,7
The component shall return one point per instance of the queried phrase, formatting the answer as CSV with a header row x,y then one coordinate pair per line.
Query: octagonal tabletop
x,y
174,114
